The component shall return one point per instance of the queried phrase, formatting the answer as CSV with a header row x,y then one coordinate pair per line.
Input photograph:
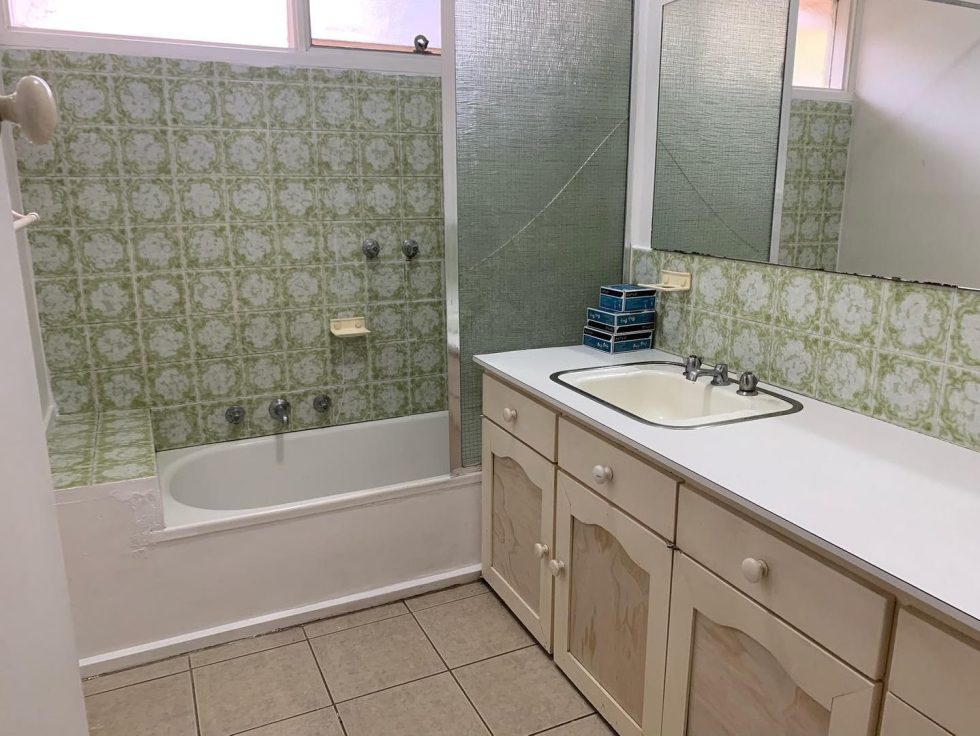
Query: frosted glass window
x,y
242,22
819,45
389,25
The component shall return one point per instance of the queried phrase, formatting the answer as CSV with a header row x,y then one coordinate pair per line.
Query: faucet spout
x,y
279,409
693,371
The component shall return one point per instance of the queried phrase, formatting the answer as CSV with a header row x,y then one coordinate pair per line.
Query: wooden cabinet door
x,y
900,719
517,528
612,594
735,669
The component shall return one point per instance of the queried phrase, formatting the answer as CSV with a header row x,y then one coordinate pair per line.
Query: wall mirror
x,y
842,135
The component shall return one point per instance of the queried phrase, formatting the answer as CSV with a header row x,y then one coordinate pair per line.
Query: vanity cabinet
x,y
937,673
734,668
612,593
676,613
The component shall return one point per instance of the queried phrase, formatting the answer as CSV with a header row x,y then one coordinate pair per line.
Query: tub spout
x,y
279,410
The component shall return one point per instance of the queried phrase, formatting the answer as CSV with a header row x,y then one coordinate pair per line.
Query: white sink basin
x,y
658,393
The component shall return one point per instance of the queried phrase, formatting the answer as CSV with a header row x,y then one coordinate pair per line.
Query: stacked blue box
x,y
624,320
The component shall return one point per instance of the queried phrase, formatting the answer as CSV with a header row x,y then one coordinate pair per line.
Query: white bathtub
x,y
254,480
266,533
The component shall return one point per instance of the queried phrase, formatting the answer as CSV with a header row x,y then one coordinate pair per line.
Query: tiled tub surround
x,y
905,353
201,223
819,134
92,448
450,663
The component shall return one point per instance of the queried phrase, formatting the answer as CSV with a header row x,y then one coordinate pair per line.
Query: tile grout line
x,y
197,715
452,674
569,721
282,720
323,678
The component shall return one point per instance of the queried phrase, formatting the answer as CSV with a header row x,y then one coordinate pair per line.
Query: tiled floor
x,y
450,663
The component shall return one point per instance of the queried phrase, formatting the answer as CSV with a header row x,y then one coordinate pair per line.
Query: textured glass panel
x,y
542,121
721,83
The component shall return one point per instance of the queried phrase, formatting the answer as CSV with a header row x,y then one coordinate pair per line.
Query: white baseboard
x,y
162,648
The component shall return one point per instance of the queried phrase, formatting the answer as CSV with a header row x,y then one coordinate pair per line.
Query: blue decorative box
x,y
607,342
626,298
621,321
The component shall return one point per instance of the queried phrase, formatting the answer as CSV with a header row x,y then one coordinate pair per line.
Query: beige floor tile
x,y
132,676
318,723
163,707
246,646
357,618
447,595
521,693
375,656
472,628
258,689
430,707
591,726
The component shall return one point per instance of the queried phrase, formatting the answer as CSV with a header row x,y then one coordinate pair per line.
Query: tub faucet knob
x,y
410,248
279,410
235,414
321,403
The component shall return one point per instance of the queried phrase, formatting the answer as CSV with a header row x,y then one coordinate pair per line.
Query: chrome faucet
x,y
693,371
279,410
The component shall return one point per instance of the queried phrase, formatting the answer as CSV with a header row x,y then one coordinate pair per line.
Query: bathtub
x,y
260,534
266,478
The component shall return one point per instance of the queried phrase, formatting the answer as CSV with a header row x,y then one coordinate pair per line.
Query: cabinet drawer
x,y
937,673
837,611
901,720
638,488
522,416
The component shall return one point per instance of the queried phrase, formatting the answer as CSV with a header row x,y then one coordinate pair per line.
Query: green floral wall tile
x,y
846,376
104,447
905,353
852,309
202,225
965,339
916,319
907,391
959,412
819,135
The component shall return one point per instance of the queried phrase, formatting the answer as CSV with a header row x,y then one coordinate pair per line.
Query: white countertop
x,y
902,506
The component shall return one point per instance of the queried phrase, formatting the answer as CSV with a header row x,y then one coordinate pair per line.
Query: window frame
x,y
299,52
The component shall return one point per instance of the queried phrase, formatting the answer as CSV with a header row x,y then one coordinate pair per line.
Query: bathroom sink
x,y
657,393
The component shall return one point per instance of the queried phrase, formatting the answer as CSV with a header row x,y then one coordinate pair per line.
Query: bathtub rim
x,y
320,505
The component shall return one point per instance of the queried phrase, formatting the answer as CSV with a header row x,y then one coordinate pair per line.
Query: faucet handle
x,y
748,384
692,363
721,375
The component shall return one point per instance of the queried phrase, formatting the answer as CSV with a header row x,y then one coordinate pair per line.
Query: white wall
x,y
40,693
913,174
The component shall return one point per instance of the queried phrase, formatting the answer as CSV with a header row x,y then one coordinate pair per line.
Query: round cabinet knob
x,y
602,474
555,567
754,570
541,550
509,414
